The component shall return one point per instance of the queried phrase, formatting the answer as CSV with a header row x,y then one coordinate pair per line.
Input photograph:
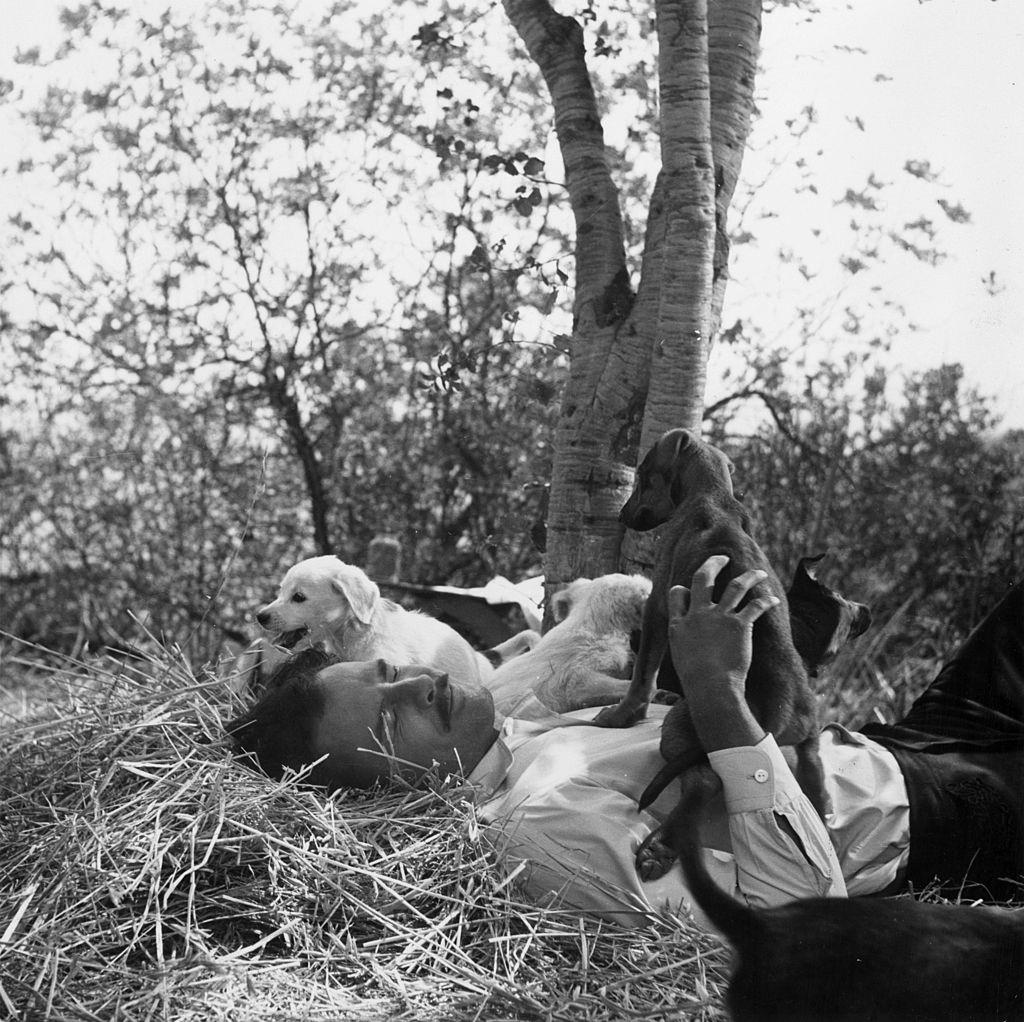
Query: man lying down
x,y
934,796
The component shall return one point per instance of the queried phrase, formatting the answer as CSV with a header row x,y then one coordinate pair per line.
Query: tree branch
x,y
682,336
555,43
734,32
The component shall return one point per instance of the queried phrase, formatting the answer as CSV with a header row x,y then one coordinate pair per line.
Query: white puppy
x,y
340,606
585,659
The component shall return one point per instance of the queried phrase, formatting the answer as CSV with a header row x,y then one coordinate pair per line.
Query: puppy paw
x,y
654,858
620,716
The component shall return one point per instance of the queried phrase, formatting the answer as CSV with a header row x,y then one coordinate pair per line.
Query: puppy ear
x,y
565,599
560,606
804,579
807,563
674,462
677,442
359,590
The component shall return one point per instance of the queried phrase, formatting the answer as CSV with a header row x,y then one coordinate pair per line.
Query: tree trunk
x,y
734,33
682,231
675,396
638,365
590,479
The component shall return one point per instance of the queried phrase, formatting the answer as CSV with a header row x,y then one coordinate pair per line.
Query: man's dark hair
x,y
276,732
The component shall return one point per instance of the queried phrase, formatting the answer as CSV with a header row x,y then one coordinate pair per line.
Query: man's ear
x,y
359,590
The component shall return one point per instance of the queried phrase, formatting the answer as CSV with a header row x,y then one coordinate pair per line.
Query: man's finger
x,y
678,601
737,589
753,610
704,579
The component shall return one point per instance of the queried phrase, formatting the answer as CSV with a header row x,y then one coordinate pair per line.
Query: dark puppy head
x,y
679,463
821,620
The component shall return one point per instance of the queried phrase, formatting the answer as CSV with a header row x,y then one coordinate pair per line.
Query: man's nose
x,y
426,685
439,687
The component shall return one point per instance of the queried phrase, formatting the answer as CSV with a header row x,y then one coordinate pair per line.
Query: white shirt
x,y
559,798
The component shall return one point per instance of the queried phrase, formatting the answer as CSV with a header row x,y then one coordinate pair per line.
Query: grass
x,y
144,874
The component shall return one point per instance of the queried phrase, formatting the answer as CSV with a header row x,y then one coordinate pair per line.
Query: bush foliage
x,y
309,310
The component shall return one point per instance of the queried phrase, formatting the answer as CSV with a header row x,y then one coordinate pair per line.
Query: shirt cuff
x,y
754,777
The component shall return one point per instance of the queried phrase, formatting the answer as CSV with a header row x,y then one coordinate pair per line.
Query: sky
x,y
890,80
938,80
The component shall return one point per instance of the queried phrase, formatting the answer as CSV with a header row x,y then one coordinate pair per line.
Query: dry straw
x,y
144,874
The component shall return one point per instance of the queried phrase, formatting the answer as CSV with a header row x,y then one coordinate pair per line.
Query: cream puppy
x,y
585,659
339,605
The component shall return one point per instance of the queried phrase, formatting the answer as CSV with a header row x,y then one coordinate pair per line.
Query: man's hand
x,y
711,646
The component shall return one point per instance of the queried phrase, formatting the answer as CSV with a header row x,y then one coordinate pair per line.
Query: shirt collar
x,y
526,718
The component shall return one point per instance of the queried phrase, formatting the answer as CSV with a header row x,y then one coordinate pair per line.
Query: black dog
x,y
686,483
821,620
852,960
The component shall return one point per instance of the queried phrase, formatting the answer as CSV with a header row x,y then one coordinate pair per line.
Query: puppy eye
x,y
299,598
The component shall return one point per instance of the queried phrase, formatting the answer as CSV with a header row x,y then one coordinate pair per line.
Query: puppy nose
x,y
263,617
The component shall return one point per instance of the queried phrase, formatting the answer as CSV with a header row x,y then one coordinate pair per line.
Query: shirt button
x,y
760,776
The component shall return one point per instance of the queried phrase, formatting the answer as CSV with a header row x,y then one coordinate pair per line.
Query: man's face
x,y
360,715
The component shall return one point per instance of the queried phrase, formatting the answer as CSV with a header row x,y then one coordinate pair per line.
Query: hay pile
x,y
144,874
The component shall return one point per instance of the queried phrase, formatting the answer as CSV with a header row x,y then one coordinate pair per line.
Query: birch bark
x,y
638,363
590,481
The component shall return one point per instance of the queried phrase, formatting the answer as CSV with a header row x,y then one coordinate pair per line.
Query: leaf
x,y
954,211
921,169
479,259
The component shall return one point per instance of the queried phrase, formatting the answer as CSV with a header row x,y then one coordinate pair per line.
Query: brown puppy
x,y
822,622
686,483
883,959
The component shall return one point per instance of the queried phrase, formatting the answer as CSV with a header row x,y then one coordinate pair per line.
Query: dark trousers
x,y
961,750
